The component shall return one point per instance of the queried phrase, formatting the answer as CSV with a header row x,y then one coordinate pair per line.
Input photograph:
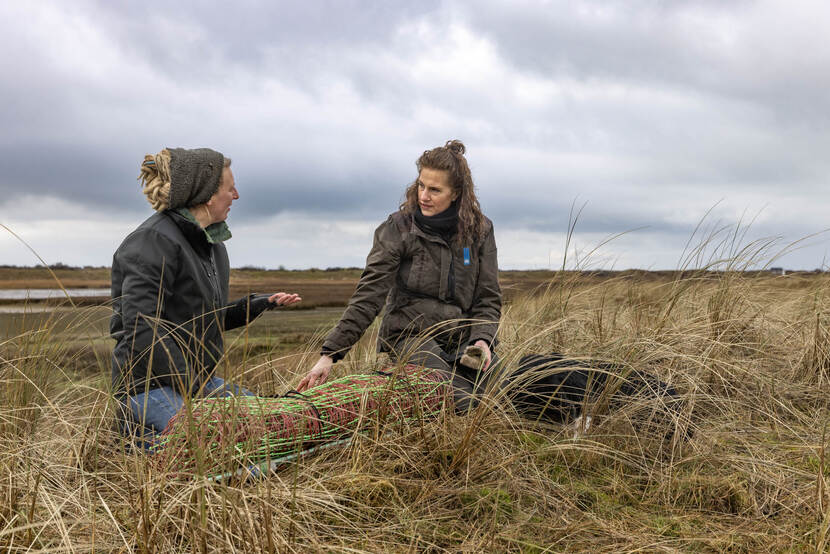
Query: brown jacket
x,y
410,270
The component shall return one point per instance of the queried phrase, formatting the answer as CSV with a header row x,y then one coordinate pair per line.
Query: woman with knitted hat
x,y
170,291
433,270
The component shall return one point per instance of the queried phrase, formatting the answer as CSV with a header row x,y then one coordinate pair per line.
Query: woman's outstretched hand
x,y
318,374
284,298
488,356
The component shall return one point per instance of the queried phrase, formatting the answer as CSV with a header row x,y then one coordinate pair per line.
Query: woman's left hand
x,y
284,298
487,355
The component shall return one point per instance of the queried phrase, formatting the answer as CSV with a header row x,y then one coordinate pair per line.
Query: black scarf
x,y
444,224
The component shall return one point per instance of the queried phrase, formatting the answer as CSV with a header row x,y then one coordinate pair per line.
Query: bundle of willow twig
x,y
218,435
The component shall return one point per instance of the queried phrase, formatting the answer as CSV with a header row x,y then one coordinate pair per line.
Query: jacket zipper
x,y
451,278
213,279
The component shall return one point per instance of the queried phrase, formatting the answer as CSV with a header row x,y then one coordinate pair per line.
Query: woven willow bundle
x,y
221,434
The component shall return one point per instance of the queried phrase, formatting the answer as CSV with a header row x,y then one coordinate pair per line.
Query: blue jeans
x,y
147,414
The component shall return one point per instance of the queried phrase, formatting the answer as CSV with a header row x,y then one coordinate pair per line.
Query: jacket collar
x,y
194,233
215,232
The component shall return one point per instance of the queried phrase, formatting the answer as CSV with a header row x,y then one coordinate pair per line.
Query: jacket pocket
x,y
424,276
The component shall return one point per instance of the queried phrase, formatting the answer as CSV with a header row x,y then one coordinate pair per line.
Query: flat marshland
x,y
749,353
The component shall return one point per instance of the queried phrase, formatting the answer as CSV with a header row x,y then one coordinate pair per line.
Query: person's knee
x,y
422,353
217,387
429,360
155,408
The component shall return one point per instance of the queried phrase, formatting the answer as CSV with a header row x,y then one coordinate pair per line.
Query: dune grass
x,y
750,355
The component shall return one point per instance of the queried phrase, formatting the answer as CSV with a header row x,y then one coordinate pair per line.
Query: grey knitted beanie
x,y
194,176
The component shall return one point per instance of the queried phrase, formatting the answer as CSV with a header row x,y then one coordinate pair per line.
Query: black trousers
x,y
468,383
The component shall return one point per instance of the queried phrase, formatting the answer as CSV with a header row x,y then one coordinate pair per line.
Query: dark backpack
x,y
555,388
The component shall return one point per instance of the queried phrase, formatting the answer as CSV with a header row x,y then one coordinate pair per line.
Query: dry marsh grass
x,y
750,355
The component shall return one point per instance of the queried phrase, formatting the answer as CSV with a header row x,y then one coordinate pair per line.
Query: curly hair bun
x,y
456,147
155,179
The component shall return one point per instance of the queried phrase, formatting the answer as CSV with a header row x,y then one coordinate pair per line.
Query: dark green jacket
x,y
170,306
409,271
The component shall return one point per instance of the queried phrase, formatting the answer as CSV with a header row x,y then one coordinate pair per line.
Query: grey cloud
x,y
638,108
207,40
352,199
75,172
109,182
708,45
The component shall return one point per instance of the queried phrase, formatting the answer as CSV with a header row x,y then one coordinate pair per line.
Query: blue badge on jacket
x,y
466,255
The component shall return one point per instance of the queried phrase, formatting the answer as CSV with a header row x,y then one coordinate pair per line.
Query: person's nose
x,y
423,196
235,194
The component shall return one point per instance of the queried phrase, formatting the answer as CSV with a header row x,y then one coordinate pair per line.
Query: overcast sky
x,y
650,116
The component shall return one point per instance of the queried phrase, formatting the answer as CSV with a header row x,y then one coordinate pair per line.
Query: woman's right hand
x,y
318,374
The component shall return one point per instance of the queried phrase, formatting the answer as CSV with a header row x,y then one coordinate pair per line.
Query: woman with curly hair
x,y
433,265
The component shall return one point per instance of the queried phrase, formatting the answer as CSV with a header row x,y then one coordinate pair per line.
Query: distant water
x,y
43,294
